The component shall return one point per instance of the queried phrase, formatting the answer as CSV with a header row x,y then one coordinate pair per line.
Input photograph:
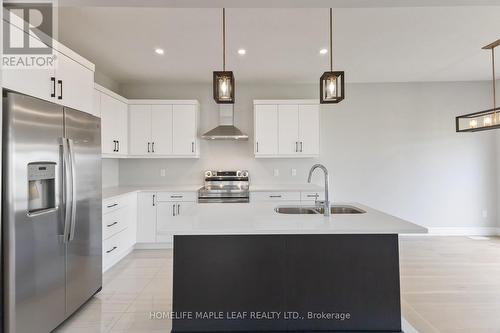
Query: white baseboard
x,y
462,231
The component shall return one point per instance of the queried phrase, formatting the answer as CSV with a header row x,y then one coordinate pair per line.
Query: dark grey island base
x,y
286,283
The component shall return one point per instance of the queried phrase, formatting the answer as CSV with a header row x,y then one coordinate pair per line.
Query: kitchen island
x,y
246,267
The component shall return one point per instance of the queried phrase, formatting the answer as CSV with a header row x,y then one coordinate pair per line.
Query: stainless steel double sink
x,y
312,210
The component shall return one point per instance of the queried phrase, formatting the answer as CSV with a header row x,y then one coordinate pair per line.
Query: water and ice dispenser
x,y
41,187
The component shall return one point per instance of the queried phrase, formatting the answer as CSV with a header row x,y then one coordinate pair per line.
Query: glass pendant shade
x,y
331,87
223,87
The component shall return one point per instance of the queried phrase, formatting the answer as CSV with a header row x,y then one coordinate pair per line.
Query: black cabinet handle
x,y
178,209
173,210
109,251
177,196
257,143
112,224
114,146
296,146
275,196
148,147
192,147
301,146
153,147
61,87
53,94
313,195
154,199
113,205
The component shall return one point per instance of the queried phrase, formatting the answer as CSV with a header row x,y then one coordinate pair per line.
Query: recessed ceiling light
x,y
323,51
159,51
242,51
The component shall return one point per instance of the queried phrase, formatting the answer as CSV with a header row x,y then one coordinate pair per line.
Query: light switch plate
x,y
276,172
294,172
163,172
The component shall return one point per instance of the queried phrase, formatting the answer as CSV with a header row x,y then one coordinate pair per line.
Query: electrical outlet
x,y
276,172
163,172
294,172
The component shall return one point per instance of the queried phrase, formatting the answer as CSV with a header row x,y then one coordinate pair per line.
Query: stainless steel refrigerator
x,y
51,212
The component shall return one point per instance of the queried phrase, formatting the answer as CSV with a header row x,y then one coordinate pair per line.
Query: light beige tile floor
x,y
448,284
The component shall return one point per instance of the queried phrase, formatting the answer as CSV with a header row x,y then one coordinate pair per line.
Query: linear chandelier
x,y
487,119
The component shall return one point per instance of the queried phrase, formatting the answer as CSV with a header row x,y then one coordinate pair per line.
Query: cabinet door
x,y
184,129
288,129
34,82
122,127
75,84
146,218
161,129
174,217
109,129
266,129
309,129
113,125
140,129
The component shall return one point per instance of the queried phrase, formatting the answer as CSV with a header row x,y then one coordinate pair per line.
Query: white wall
x,y
110,172
390,146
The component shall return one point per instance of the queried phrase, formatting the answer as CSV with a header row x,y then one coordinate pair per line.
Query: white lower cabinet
x,y
173,217
288,196
118,228
275,196
146,217
175,213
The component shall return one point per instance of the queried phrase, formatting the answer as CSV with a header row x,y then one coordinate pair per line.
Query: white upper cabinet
x,y
69,82
286,128
309,129
266,130
75,84
185,130
140,129
161,129
114,120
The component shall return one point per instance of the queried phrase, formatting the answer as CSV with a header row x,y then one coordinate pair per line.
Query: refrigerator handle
x,y
73,190
65,190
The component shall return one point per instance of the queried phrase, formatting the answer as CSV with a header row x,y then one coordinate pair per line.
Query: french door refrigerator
x,y
51,212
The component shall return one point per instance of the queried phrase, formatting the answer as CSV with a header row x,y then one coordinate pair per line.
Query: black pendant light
x,y
223,81
331,84
487,119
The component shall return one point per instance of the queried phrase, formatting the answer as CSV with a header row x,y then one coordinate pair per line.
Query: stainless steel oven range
x,y
225,186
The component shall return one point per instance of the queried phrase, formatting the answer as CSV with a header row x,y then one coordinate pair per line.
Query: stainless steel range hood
x,y
226,129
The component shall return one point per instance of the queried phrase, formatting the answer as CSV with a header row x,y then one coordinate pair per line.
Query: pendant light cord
x,y
494,80
224,39
331,40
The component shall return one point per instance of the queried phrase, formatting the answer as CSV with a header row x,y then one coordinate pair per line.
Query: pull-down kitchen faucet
x,y
326,202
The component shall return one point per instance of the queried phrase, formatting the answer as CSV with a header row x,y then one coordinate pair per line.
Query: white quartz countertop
x,y
261,218
121,190
111,192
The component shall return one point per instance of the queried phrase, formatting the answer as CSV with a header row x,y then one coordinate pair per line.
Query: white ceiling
x,y
388,44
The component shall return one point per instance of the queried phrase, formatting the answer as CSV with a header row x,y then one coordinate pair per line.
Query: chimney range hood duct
x,y
226,129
